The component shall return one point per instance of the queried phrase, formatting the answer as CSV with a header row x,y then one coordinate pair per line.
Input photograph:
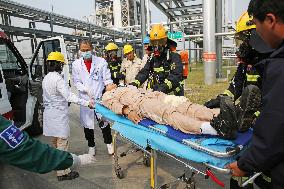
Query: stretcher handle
x,y
214,178
251,179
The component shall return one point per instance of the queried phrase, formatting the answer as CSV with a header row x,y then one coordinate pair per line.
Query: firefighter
x,y
247,57
164,69
250,51
114,62
266,152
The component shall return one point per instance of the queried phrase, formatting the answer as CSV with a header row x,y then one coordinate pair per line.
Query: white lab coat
x,y
92,84
56,95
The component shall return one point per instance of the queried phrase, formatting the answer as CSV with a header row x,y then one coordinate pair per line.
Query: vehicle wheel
x,y
36,128
146,160
119,173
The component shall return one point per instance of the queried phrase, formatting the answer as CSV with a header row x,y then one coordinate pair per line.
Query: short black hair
x,y
87,42
259,8
54,66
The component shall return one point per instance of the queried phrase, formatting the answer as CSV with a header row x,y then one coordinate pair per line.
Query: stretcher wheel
x,y
190,186
122,154
119,173
146,160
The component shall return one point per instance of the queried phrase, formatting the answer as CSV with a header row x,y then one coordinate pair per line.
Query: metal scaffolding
x,y
205,27
117,13
125,13
95,32
131,20
180,10
103,13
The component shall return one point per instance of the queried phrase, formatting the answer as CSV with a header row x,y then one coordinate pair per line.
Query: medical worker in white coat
x,y
56,95
91,77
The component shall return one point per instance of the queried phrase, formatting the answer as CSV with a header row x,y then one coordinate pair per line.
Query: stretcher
x,y
215,153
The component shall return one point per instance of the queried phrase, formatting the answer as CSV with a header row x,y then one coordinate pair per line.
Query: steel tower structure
x,y
117,13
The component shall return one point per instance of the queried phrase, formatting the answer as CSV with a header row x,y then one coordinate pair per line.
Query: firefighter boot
x,y
250,103
226,122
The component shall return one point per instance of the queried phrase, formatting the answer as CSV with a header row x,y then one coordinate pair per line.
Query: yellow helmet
x,y
111,47
158,32
245,23
57,56
127,49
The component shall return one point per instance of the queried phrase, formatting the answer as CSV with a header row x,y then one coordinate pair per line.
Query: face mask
x,y
86,55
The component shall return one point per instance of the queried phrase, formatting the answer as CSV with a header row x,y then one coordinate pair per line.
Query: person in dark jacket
x,y
164,70
114,63
266,152
251,49
18,149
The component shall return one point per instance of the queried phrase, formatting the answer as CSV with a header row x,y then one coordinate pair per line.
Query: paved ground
x,y
101,174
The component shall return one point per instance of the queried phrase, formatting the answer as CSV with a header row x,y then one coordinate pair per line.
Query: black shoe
x,y
70,176
226,122
250,103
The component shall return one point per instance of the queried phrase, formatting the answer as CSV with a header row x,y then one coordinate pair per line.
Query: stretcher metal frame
x,y
190,182
153,162
153,165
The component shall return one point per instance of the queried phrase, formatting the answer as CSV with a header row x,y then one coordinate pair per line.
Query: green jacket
x,y
18,149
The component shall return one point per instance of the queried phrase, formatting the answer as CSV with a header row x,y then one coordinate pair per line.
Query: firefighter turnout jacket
x,y
245,75
114,65
164,73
